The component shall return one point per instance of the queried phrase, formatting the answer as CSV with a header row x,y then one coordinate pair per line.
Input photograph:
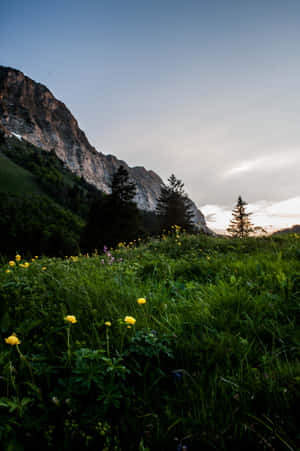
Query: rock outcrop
x,y
29,109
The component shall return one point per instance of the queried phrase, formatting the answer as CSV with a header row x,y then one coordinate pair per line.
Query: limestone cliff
x,y
29,109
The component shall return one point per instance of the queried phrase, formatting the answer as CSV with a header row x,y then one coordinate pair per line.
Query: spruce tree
x,y
114,218
2,137
173,206
240,225
122,188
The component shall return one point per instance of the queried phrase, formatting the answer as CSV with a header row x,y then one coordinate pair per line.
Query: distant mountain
x,y
30,111
293,229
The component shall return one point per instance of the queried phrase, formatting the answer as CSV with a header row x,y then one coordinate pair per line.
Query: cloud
x,y
265,164
271,215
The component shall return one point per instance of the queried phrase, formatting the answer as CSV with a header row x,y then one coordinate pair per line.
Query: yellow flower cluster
x,y
107,323
71,319
176,227
12,340
177,230
130,320
18,258
141,301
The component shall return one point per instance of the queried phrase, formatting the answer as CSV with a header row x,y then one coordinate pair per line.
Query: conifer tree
x,y
114,218
174,206
122,188
2,137
240,225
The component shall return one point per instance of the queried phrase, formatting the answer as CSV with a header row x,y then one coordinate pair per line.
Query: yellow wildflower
x,y
141,301
44,268
18,258
26,265
36,256
11,263
130,320
71,319
12,340
107,323
32,260
128,327
7,271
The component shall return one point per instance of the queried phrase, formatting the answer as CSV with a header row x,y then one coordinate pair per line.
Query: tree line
x,y
116,218
72,215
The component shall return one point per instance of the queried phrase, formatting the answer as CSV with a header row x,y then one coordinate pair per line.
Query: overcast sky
x,y
207,90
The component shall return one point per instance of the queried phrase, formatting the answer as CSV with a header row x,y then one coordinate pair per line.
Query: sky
x,y
207,90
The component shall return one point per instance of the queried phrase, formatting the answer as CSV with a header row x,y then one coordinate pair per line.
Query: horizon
x,y
207,92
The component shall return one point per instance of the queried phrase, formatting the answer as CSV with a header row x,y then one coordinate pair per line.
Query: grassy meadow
x,y
209,361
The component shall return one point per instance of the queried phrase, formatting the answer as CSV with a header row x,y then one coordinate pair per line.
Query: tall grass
x,y
212,360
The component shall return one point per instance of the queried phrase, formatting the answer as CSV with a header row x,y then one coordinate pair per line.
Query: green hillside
x,y
50,175
43,205
14,179
187,340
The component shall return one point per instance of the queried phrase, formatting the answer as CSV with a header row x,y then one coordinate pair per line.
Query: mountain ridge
x,y
29,109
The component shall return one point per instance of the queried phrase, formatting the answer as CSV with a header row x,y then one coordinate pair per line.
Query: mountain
x,y
289,230
30,111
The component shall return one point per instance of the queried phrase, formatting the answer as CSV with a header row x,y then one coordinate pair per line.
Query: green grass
x,y
212,360
15,180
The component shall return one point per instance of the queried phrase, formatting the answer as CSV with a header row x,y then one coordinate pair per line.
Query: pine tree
x,y
2,137
240,225
174,206
114,218
122,188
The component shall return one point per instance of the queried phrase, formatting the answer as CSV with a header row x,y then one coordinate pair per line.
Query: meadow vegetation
x,y
183,340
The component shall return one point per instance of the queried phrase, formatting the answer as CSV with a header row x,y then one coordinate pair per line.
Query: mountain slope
x,y
289,230
14,178
30,110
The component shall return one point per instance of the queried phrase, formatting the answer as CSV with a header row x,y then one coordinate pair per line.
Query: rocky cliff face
x,y
30,110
